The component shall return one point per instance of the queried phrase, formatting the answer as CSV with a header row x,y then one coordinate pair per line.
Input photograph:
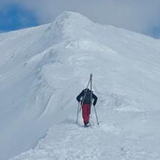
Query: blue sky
x,y
136,15
16,17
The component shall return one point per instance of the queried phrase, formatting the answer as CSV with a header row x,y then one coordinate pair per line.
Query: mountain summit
x,y
70,24
42,69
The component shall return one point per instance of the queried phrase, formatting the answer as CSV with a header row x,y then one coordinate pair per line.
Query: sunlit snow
x,y
43,69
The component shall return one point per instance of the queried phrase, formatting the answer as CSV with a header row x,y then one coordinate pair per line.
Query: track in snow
x,y
68,141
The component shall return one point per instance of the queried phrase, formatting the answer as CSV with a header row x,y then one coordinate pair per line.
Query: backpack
x,y
87,96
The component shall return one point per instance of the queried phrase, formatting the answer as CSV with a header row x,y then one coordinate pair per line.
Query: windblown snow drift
x,y
42,69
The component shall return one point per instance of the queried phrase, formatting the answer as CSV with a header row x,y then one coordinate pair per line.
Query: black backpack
x,y
87,96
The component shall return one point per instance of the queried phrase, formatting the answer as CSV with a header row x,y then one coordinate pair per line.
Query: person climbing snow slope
x,y
85,98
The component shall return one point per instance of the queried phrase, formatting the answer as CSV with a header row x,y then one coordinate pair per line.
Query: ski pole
x,y
96,115
78,110
91,99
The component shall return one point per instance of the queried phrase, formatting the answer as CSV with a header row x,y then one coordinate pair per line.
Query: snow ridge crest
x,y
70,24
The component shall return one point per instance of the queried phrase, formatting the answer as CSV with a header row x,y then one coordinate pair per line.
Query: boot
x,y
86,124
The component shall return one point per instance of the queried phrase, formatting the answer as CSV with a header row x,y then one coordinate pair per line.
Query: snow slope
x,y
42,69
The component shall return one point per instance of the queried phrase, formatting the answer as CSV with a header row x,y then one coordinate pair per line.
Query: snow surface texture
x,y
42,70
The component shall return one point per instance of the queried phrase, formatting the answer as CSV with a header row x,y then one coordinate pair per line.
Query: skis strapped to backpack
x,y
89,85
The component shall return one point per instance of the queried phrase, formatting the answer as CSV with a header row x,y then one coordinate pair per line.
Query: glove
x,y
80,101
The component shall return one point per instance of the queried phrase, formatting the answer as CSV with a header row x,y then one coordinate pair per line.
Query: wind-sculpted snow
x,y
42,70
108,141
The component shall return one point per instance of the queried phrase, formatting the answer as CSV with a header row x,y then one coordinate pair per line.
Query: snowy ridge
x,y
107,141
42,69
69,25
